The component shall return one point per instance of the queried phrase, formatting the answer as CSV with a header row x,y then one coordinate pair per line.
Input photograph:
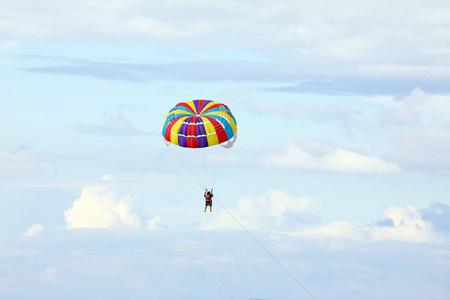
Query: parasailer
x,y
208,199
197,127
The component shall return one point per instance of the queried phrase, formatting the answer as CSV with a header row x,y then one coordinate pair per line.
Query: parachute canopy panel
x,y
200,124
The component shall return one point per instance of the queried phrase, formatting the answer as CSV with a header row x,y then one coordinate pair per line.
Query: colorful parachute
x,y
195,126
200,124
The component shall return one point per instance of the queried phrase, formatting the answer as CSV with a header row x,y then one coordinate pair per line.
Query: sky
x,y
336,188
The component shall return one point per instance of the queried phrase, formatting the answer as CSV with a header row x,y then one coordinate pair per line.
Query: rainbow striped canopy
x,y
199,124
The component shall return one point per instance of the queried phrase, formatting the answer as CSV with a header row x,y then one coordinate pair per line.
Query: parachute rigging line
x,y
268,253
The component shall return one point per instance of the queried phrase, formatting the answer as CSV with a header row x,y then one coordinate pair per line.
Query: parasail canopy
x,y
200,124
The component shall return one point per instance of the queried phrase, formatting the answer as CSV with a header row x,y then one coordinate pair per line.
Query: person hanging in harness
x,y
208,199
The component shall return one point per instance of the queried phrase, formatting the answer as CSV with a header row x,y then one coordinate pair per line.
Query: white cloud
x,y
278,212
401,116
262,212
344,229
311,31
400,224
107,177
408,225
418,126
268,212
152,224
314,42
35,229
102,207
119,263
423,147
417,108
280,202
337,160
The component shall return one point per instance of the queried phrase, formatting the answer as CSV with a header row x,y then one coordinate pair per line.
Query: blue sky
x,y
340,170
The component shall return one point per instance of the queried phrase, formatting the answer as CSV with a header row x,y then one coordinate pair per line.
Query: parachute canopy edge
x,y
230,142
166,142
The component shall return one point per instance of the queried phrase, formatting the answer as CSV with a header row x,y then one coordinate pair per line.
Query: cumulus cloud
x,y
102,207
153,223
419,126
408,225
406,115
417,108
34,230
397,223
276,211
263,212
330,160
